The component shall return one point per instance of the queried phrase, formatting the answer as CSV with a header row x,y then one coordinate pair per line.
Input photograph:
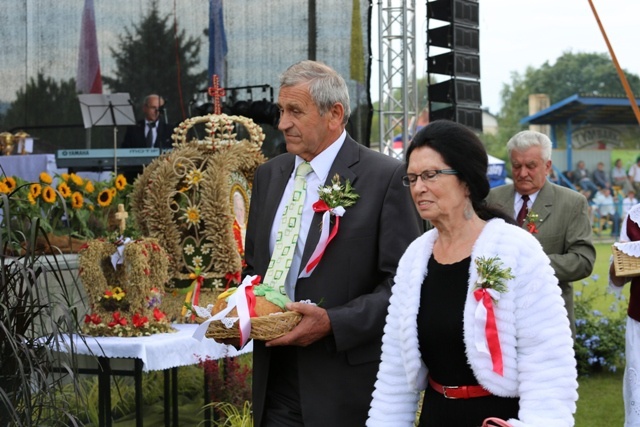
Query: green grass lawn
x,y
600,402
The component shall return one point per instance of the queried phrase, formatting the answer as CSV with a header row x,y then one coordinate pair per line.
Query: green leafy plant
x,y
232,416
37,307
600,343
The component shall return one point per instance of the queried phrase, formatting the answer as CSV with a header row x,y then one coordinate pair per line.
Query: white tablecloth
x,y
28,166
157,352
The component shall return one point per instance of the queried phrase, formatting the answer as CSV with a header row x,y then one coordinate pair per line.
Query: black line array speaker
x,y
458,97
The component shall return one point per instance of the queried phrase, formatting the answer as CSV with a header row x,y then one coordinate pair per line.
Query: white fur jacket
x,y
533,328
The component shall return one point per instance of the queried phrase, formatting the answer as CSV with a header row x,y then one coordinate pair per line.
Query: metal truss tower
x,y
397,70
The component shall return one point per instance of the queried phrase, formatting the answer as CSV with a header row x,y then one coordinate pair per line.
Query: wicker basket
x,y
263,328
625,265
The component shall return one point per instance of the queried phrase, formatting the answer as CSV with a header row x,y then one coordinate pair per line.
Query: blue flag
x,y
217,41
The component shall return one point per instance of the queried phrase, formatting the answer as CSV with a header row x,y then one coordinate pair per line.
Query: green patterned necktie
x,y
287,236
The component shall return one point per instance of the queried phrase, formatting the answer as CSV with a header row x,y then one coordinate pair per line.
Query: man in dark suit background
x,y
563,225
322,372
150,132
137,136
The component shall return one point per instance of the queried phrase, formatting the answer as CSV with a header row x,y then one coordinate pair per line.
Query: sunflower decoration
x,y
120,183
35,190
77,180
77,201
64,190
49,194
192,216
105,197
45,178
10,182
67,204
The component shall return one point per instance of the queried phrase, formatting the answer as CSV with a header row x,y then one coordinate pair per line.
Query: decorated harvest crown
x,y
124,281
195,201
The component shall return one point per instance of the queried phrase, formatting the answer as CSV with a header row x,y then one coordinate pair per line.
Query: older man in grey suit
x,y
557,216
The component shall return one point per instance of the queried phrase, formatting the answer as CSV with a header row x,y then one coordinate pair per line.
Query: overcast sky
x,y
515,34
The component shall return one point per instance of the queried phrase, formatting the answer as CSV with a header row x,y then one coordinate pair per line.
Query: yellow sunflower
x,y
31,199
65,177
64,189
4,188
49,194
113,191
77,180
10,183
77,200
105,197
89,187
45,178
121,182
35,190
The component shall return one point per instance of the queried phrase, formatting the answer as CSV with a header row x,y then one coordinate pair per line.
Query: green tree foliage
x,y
146,62
572,73
48,110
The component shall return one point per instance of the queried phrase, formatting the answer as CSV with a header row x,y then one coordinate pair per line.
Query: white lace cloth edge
x,y
157,352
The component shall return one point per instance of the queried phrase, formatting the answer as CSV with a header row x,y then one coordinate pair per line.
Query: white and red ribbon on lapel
x,y
325,236
485,326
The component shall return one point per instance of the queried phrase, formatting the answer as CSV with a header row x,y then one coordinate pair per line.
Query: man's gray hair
x,y
147,99
528,138
326,86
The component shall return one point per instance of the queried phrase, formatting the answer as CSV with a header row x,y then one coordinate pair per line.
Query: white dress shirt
x,y
321,165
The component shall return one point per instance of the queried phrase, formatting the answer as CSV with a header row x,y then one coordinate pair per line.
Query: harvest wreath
x,y
124,281
194,200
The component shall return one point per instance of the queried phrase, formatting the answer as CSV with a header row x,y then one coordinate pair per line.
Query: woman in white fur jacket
x,y
496,344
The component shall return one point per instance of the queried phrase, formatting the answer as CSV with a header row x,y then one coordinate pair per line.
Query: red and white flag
x,y
88,79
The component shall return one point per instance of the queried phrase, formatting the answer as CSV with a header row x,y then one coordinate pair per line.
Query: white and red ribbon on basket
x,y
244,300
325,236
485,325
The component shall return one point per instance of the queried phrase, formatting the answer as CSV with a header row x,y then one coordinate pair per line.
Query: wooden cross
x,y
216,92
122,216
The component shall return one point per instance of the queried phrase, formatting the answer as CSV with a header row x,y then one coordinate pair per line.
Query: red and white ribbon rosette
x,y
325,236
244,300
485,326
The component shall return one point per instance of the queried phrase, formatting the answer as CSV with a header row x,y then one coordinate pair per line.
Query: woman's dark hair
x,y
462,150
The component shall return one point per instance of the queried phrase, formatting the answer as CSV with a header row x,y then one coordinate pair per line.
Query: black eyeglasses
x,y
426,176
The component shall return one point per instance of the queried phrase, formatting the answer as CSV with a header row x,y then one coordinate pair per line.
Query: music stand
x,y
109,109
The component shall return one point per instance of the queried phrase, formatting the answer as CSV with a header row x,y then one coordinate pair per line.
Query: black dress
x,y
440,334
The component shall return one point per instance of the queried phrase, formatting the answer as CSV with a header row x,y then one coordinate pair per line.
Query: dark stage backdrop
x,y
166,38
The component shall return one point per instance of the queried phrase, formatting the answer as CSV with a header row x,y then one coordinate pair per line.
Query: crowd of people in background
x,y
610,195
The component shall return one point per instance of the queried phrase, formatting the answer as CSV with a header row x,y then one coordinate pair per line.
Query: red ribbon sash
x,y
491,330
321,206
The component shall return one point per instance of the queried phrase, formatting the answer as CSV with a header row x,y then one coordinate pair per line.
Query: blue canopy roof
x,y
578,110
586,109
